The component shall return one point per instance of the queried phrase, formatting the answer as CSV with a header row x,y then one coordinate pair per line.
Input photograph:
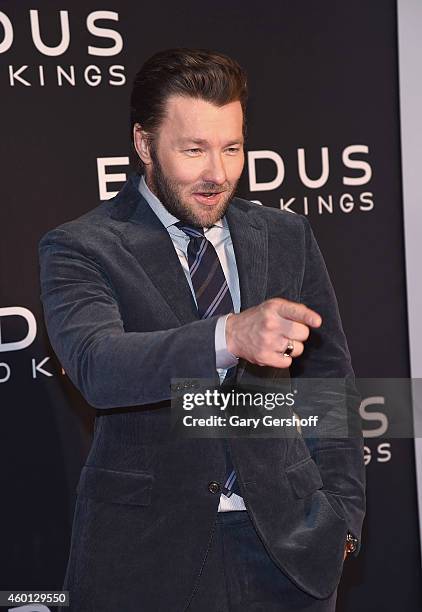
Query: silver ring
x,y
289,349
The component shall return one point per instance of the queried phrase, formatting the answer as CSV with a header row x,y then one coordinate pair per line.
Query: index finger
x,y
300,313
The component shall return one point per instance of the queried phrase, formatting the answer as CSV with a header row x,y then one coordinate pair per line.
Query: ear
x,y
141,143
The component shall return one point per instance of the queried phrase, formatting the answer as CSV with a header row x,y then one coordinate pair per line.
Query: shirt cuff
x,y
223,358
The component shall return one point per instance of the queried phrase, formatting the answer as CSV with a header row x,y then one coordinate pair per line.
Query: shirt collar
x,y
166,218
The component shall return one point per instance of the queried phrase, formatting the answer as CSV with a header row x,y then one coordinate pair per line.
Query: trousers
x,y
239,576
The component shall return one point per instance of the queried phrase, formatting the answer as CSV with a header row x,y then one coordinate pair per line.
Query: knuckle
x,y
291,311
263,309
268,324
268,303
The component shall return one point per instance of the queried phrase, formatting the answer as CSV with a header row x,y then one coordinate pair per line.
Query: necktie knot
x,y
190,230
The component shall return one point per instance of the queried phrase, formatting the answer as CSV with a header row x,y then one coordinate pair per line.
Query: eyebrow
x,y
201,141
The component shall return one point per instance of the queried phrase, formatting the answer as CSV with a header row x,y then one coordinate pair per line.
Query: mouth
x,y
208,197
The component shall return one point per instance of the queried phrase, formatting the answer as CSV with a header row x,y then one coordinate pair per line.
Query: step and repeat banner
x,y
323,141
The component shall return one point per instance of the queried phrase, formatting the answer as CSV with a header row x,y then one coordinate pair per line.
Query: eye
x,y
194,151
232,150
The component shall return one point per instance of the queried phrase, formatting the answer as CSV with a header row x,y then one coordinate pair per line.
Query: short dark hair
x,y
196,73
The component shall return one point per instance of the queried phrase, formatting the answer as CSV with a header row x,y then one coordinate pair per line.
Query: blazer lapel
x,y
152,246
250,242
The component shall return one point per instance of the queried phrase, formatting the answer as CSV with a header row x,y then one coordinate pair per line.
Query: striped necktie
x,y
213,298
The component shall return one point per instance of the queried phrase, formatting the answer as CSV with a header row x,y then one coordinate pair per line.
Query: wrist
x,y
230,342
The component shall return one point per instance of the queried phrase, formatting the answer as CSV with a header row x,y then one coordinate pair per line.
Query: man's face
x,y
197,159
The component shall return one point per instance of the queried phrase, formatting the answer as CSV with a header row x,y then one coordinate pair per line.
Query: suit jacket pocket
x,y
304,477
115,486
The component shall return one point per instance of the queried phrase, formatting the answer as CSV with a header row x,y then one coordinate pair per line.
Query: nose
x,y
215,171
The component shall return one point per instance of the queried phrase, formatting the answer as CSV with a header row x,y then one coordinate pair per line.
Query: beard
x,y
168,192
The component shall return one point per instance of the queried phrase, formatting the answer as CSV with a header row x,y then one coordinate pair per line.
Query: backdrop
x,y
323,141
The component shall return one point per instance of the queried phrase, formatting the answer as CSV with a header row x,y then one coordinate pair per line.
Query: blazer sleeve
x,y
325,384
111,367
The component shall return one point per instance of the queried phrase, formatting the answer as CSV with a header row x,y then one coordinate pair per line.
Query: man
x,y
175,278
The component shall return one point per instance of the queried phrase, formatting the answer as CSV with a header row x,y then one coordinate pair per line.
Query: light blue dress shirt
x,y
219,236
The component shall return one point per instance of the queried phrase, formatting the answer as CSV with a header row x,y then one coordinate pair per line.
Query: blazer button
x,y
214,487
